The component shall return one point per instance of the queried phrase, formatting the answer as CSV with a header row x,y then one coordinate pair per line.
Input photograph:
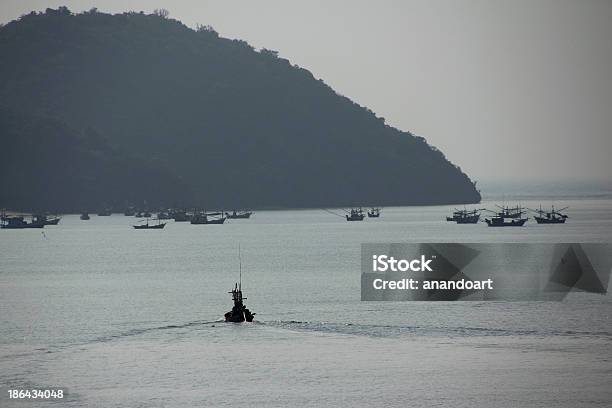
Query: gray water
x,y
119,317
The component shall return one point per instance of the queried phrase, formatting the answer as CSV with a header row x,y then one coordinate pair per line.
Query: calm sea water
x,y
125,318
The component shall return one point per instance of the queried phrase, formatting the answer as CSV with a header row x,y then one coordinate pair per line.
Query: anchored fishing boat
x,y
180,216
551,216
356,214
374,212
236,215
208,218
465,216
18,222
507,217
159,225
43,219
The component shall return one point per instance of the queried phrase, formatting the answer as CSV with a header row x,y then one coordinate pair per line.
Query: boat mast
x,y
240,262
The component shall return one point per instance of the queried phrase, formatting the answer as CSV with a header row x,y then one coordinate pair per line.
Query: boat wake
x,y
145,330
373,330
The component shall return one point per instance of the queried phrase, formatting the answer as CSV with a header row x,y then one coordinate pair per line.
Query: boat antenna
x,y
240,262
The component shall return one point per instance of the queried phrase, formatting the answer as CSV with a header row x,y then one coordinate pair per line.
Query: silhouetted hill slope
x,y
45,165
243,128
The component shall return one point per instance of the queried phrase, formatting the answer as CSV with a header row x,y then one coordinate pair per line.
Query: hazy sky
x,y
506,89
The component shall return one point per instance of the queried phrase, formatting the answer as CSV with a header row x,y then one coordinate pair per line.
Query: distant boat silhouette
x,y
501,222
180,216
374,213
159,225
46,220
356,214
18,222
208,218
465,216
514,214
238,214
239,312
551,216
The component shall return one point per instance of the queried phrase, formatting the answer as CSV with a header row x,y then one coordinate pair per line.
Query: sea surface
x,y
118,317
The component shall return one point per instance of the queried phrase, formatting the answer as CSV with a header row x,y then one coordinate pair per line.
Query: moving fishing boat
x,y
356,214
239,312
374,212
208,218
550,217
238,215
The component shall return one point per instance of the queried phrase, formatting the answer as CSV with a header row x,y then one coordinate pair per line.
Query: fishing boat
x,y
236,215
355,214
510,212
374,212
200,218
507,217
84,216
551,216
18,222
45,220
465,216
239,312
180,216
159,225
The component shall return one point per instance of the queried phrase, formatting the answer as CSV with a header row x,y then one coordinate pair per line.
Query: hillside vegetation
x,y
217,123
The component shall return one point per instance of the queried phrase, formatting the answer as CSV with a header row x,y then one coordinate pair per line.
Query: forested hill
x,y
47,166
239,127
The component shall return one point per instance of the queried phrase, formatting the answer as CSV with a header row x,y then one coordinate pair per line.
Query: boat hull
x,y
205,221
158,226
544,220
239,316
468,220
354,217
496,222
238,216
23,226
